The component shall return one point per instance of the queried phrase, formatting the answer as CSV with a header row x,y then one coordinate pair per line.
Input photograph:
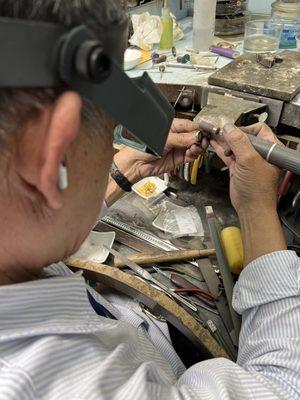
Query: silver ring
x,y
270,151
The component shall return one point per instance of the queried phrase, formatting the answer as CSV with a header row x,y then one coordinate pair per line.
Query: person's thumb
x,y
238,142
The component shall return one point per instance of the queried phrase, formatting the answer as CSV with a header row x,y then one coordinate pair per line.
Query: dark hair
x,y
18,106
97,14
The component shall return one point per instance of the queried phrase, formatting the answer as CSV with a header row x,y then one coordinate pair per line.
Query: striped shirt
x,y
53,345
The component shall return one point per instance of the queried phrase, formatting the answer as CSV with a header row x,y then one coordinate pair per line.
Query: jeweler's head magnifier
x,y
45,55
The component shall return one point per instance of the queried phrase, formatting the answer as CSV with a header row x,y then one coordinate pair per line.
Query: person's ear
x,y
62,129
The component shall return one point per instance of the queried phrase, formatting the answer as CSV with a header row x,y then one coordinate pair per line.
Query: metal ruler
x,y
147,237
159,243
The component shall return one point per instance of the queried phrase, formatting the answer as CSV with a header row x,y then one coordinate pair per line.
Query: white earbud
x,y
63,177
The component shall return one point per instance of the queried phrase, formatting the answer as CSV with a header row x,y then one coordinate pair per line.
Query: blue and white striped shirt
x,y
54,346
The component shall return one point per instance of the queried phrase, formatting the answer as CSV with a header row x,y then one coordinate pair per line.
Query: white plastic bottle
x,y
204,24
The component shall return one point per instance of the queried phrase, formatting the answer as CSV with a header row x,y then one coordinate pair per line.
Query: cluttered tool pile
x,y
191,289
174,268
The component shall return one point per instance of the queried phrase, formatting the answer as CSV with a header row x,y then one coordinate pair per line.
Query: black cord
x,y
283,218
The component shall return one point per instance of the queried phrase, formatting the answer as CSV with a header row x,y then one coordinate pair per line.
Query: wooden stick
x,y
165,257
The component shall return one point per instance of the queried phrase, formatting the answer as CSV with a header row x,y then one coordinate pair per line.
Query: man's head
x,y
39,130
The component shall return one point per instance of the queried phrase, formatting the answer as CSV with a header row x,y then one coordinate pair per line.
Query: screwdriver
x,y
281,157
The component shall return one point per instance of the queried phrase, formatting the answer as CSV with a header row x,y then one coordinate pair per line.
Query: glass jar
x,y
262,36
287,13
286,9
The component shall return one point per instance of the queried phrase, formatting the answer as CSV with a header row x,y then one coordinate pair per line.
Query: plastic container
x,y
204,24
262,36
288,15
166,41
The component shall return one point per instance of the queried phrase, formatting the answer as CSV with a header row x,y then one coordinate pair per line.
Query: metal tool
x,y
274,153
211,326
186,286
195,292
148,277
224,269
186,172
194,302
147,237
181,270
155,241
213,283
194,98
162,69
178,97
217,335
199,304
192,66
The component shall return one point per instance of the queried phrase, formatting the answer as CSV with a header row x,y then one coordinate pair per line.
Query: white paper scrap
x,y
185,222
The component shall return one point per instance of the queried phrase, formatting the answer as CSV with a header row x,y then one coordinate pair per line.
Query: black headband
x,y
39,55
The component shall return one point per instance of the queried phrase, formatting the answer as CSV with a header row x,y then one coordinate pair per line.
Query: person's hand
x,y
262,130
181,147
253,181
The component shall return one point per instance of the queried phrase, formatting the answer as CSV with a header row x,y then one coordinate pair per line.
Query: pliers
x,y
185,286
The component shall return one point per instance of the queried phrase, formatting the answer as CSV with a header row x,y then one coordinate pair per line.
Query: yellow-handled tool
x,y
195,170
231,239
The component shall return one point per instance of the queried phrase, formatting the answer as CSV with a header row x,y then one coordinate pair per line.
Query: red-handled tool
x,y
183,285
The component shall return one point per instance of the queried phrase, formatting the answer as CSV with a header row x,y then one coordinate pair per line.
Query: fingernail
x,y
199,136
229,128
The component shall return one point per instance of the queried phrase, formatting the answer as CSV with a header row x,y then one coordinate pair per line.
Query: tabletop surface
x,y
178,76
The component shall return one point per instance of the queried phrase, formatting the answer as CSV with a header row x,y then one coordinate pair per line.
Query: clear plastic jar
x,y
287,14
